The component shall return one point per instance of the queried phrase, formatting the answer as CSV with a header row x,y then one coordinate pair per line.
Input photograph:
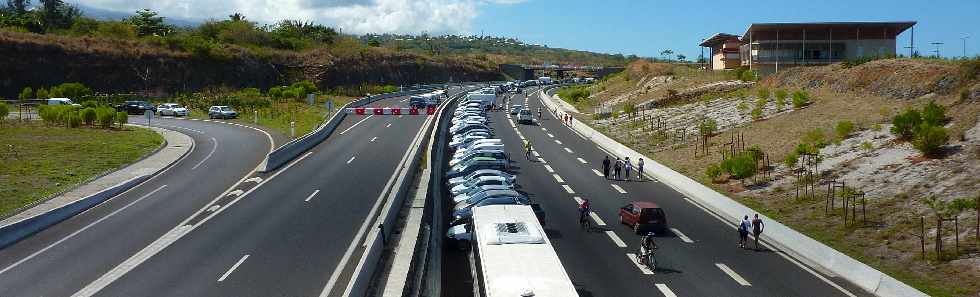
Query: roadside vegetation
x,y
899,137
42,159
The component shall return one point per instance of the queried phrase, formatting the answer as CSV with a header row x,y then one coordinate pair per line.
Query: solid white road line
x,y
373,139
73,234
580,160
552,136
548,167
731,273
636,261
568,150
351,159
615,238
568,189
597,173
665,290
311,196
355,124
683,237
618,188
232,269
558,141
558,178
213,148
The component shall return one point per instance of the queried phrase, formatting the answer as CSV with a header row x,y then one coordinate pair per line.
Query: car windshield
x,y
525,112
226,108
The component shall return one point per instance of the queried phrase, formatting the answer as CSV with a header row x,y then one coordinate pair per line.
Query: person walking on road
x,y
757,227
527,149
617,167
605,167
743,231
639,170
629,168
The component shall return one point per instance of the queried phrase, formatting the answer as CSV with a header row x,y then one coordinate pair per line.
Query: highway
x,y
698,258
65,257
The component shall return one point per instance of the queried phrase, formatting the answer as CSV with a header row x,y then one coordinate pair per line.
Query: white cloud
x,y
354,16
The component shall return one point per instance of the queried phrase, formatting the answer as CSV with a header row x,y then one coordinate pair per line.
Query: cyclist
x,y
583,211
647,245
539,113
527,150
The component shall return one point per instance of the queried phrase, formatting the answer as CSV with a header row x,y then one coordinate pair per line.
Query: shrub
x,y
90,104
42,93
70,90
88,115
763,93
74,119
26,93
713,172
743,167
929,139
867,146
800,99
791,159
933,114
816,138
742,106
876,127
781,94
904,124
757,113
4,110
105,116
629,108
844,128
756,153
122,118
747,75
708,126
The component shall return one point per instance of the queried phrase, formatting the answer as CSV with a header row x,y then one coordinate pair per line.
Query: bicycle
x,y
584,222
646,257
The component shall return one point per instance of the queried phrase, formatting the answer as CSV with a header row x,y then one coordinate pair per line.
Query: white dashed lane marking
x,y
619,189
597,173
731,273
351,159
615,238
311,196
568,189
681,235
232,269
636,261
548,167
558,178
568,150
580,160
665,290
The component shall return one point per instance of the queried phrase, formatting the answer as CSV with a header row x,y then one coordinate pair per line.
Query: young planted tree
x,y
930,139
4,110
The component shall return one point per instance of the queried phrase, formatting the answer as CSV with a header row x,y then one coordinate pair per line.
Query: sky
x,y
638,27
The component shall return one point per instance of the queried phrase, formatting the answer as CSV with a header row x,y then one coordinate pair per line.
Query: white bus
x,y
514,256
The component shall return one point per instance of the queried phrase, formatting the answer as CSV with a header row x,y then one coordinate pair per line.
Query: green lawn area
x,y
279,116
37,161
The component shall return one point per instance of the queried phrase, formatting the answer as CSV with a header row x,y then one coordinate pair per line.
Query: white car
x,y
483,172
497,154
465,140
171,109
479,182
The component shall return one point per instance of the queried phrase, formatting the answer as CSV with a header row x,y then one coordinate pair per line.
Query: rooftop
x,y
893,28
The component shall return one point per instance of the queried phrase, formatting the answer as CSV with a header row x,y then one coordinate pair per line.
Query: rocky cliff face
x,y
121,66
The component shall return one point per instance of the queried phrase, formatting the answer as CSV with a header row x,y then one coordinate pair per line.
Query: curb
x,y
21,229
796,244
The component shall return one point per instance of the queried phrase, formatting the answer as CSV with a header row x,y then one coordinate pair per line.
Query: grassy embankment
x,y
886,242
37,160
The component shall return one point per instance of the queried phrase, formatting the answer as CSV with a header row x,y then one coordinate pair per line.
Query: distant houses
x,y
766,48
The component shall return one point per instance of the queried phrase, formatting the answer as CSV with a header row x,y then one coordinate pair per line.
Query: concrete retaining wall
x,y
796,244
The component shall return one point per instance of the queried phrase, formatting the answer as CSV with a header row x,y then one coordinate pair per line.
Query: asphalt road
x,y
65,257
698,258
287,235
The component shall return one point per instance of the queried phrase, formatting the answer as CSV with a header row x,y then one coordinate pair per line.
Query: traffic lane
x,y
290,248
679,267
595,265
710,232
59,260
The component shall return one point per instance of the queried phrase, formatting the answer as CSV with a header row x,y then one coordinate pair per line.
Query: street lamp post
x,y
937,44
964,38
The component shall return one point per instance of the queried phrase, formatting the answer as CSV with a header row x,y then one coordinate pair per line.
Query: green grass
x,y
279,116
37,161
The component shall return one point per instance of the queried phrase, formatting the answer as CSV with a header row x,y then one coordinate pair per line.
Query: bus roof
x,y
516,257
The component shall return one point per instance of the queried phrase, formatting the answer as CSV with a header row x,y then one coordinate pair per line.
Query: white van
x,y
62,101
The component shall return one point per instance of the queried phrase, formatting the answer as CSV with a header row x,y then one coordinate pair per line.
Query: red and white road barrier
x,y
431,110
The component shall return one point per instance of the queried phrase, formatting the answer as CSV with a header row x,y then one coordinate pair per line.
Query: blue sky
x,y
645,28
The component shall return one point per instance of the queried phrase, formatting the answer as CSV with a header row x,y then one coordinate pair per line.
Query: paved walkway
x,y
177,145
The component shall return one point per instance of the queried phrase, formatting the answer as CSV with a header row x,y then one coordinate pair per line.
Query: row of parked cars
x,y
478,172
136,107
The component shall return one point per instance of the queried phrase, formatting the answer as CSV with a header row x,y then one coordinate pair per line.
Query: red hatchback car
x,y
643,216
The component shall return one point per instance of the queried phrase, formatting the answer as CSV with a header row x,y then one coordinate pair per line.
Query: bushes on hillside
x,y
574,94
800,99
924,129
88,116
844,128
780,98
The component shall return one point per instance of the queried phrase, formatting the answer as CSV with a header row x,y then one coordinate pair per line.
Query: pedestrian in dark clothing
x,y
757,227
605,167
639,170
617,168
629,167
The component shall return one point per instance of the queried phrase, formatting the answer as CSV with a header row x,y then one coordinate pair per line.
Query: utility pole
x,y
937,44
964,38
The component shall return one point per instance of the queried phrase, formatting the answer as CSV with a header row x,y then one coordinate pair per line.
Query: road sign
x,y
311,99
149,116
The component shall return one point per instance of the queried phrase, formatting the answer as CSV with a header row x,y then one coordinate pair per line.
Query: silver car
x,y
222,112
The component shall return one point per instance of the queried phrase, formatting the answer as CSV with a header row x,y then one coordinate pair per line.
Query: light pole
x,y
964,38
937,44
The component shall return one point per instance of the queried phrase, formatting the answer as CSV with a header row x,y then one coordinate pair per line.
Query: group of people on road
x,y
744,227
622,169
